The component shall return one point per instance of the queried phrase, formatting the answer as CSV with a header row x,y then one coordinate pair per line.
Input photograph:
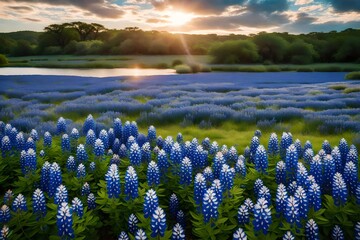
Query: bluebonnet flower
x,y
312,230
158,222
180,218
30,143
352,156
298,147
258,184
65,143
61,195
61,126
316,169
99,149
111,137
77,207
261,160
257,133
328,173
74,135
168,143
218,189
163,162
227,175
81,154
206,144
291,162
30,161
344,149
81,171
178,232
337,233
91,201
218,163
351,176
85,189
173,204
134,129
281,199
232,154
322,154
292,187
116,146
133,223
243,215
208,174
151,134
273,145
336,156
20,141
92,166
210,206
19,203
240,167
292,211
357,194
44,176
123,151
42,153
5,145
199,157
160,142
199,188
90,138
55,179
8,129
118,128
64,221
326,147
301,198
239,234
39,204
339,190
141,139
288,236
113,181
4,214
264,192
4,233
151,202
247,153
262,216
214,148
185,172
135,154
8,196
280,175
357,231
140,235
253,147
308,155
286,141
314,196
47,139
103,136
70,164
126,131
176,153
34,135
115,160
89,123
179,138
146,152
307,145
301,175
153,175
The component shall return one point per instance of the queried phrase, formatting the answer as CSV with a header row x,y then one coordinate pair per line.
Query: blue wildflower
x,y
249,204
339,190
65,143
163,162
19,203
314,196
160,142
90,138
99,149
81,171
292,187
91,201
140,235
133,223
337,233
64,221
146,152
55,179
351,176
115,160
178,232
77,207
258,184
173,205
264,192
239,234
301,198
4,233
326,147
232,154
328,173
344,149
4,214
357,231
103,136
134,131
113,181
227,175
85,189
308,155
116,146
20,141
261,159
243,215
291,162
307,145
135,154
111,137
158,222
153,175
185,172
357,194
301,175
273,145
199,188
218,163
288,236
208,174
298,147
262,216
247,153
30,161
70,164
74,135
240,167
81,154
280,175
316,169
286,141
123,151
131,183
312,230
151,134
44,176
176,154
30,143
151,203
281,199
292,211
214,148
34,135
118,128
39,204
168,143
210,206
352,156
61,195
61,126
8,196
92,166
253,147
180,218
5,145
336,156
89,123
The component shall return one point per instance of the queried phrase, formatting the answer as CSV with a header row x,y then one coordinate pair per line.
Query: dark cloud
x,y
101,8
32,19
198,6
248,19
268,5
21,8
345,5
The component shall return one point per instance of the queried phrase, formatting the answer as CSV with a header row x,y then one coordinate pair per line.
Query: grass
x,y
352,90
338,87
353,76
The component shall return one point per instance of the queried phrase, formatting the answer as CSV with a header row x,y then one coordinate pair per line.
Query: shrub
x,y
337,87
182,69
353,76
305,69
351,90
176,62
273,68
3,60
259,68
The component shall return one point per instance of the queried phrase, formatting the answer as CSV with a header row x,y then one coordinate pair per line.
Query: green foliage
x,y
232,52
3,60
271,47
300,52
353,76
182,69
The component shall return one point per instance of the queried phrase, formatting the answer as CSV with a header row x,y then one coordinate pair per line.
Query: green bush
x,y
182,69
176,62
273,68
338,87
259,68
300,52
3,60
351,90
304,69
353,76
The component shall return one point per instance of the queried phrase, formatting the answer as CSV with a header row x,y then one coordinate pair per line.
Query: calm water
x,y
85,72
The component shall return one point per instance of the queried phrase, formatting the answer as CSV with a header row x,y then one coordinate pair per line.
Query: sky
x,y
186,16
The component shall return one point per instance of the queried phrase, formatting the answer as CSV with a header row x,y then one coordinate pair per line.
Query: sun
x,y
177,18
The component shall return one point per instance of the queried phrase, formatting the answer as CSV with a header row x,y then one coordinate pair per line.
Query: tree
x,y
22,48
271,47
300,52
349,50
62,34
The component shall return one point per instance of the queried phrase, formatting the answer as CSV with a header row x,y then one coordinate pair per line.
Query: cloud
x,y
156,20
101,8
345,5
302,2
20,8
268,5
32,19
196,6
311,8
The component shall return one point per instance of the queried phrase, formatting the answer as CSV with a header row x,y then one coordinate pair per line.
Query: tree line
x,y
81,38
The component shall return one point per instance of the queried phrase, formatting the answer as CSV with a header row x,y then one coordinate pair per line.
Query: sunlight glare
x,y
177,18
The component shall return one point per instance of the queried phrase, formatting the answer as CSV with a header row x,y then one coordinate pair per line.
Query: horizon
x,y
186,17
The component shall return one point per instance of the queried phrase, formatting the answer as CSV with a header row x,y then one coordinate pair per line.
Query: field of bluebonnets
x,y
81,158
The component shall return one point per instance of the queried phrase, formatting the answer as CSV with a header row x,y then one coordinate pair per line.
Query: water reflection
x,y
86,72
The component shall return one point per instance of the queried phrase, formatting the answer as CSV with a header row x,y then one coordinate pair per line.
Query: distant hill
x,y
30,36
